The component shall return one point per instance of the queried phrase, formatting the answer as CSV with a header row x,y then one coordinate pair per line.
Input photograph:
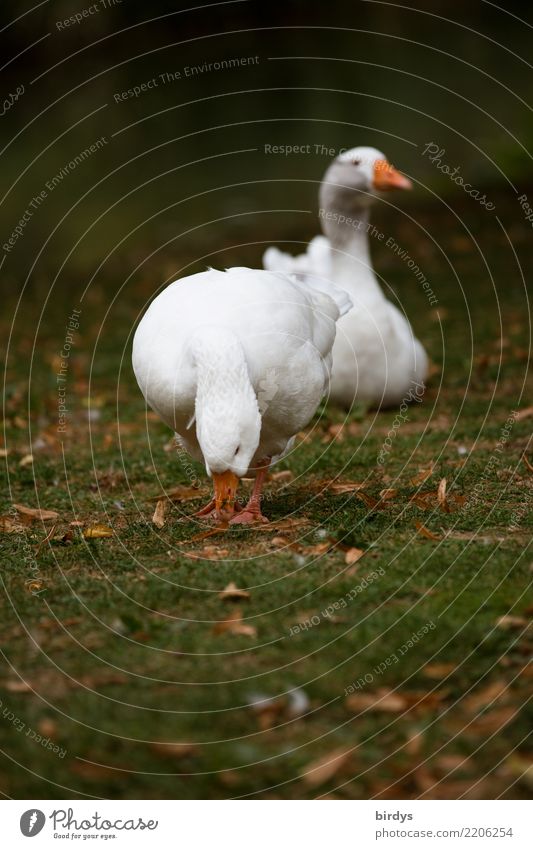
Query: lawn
x,y
379,644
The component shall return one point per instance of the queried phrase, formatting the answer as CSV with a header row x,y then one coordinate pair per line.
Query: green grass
x,y
120,650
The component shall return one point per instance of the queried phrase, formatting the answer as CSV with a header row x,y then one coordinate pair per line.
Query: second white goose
x,y
376,357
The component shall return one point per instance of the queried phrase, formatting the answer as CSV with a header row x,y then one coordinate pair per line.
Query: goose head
x,y
352,181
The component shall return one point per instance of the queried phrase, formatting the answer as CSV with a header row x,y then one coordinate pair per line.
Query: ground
x,y
380,645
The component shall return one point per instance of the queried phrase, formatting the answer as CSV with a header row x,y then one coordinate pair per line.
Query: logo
x,y
32,822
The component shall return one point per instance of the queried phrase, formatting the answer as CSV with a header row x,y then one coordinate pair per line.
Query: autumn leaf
x,y
485,696
323,769
31,513
10,526
159,513
179,493
528,465
235,625
437,671
422,475
441,496
284,475
174,751
353,555
98,532
233,593
425,532
382,700
507,622
27,460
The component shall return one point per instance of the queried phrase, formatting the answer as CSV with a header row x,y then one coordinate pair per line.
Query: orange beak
x,y
225,484
386,177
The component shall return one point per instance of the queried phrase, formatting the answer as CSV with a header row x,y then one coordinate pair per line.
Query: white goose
x,y
245,357
376,358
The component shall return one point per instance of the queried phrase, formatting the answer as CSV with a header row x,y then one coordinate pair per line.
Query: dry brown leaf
x,y
422,475
481,698
437,671
233,593
178,493
10,526
159,513
279,541
369,501
507,622
46,539
524,414
175,751
15,685
425,532
528,465
321,770
285,475
341,487
414,741
381,700
442,501
4,452
234,625
388,494
27,460
353,555
31,513
98,532
492,722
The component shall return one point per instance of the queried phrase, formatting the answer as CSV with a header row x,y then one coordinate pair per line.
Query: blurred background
x,y
327,74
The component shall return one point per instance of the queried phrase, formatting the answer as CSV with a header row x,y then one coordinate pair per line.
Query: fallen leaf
x,y
284,475
10,526
46,539
370,502
437,671
422,475
159,513
233,593
388,494
342,487
27,460
413,744
528,465
492,722
481,698
4,452
353,555
17,686
47,727
321,770
179,493
524,414
381,700
32,513
425,532
234,625
98,532
441,496
507,622
175,751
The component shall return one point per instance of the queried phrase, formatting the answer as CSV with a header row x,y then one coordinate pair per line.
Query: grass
x,y
111,647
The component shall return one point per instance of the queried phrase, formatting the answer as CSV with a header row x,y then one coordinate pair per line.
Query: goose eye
x,y
356,161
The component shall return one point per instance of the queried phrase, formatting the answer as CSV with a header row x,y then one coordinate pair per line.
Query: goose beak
x,y
225,484
386,177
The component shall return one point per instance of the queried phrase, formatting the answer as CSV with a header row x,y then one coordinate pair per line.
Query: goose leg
x,y
252,511
209,510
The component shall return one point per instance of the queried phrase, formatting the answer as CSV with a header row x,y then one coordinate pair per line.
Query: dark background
x,y
370,73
